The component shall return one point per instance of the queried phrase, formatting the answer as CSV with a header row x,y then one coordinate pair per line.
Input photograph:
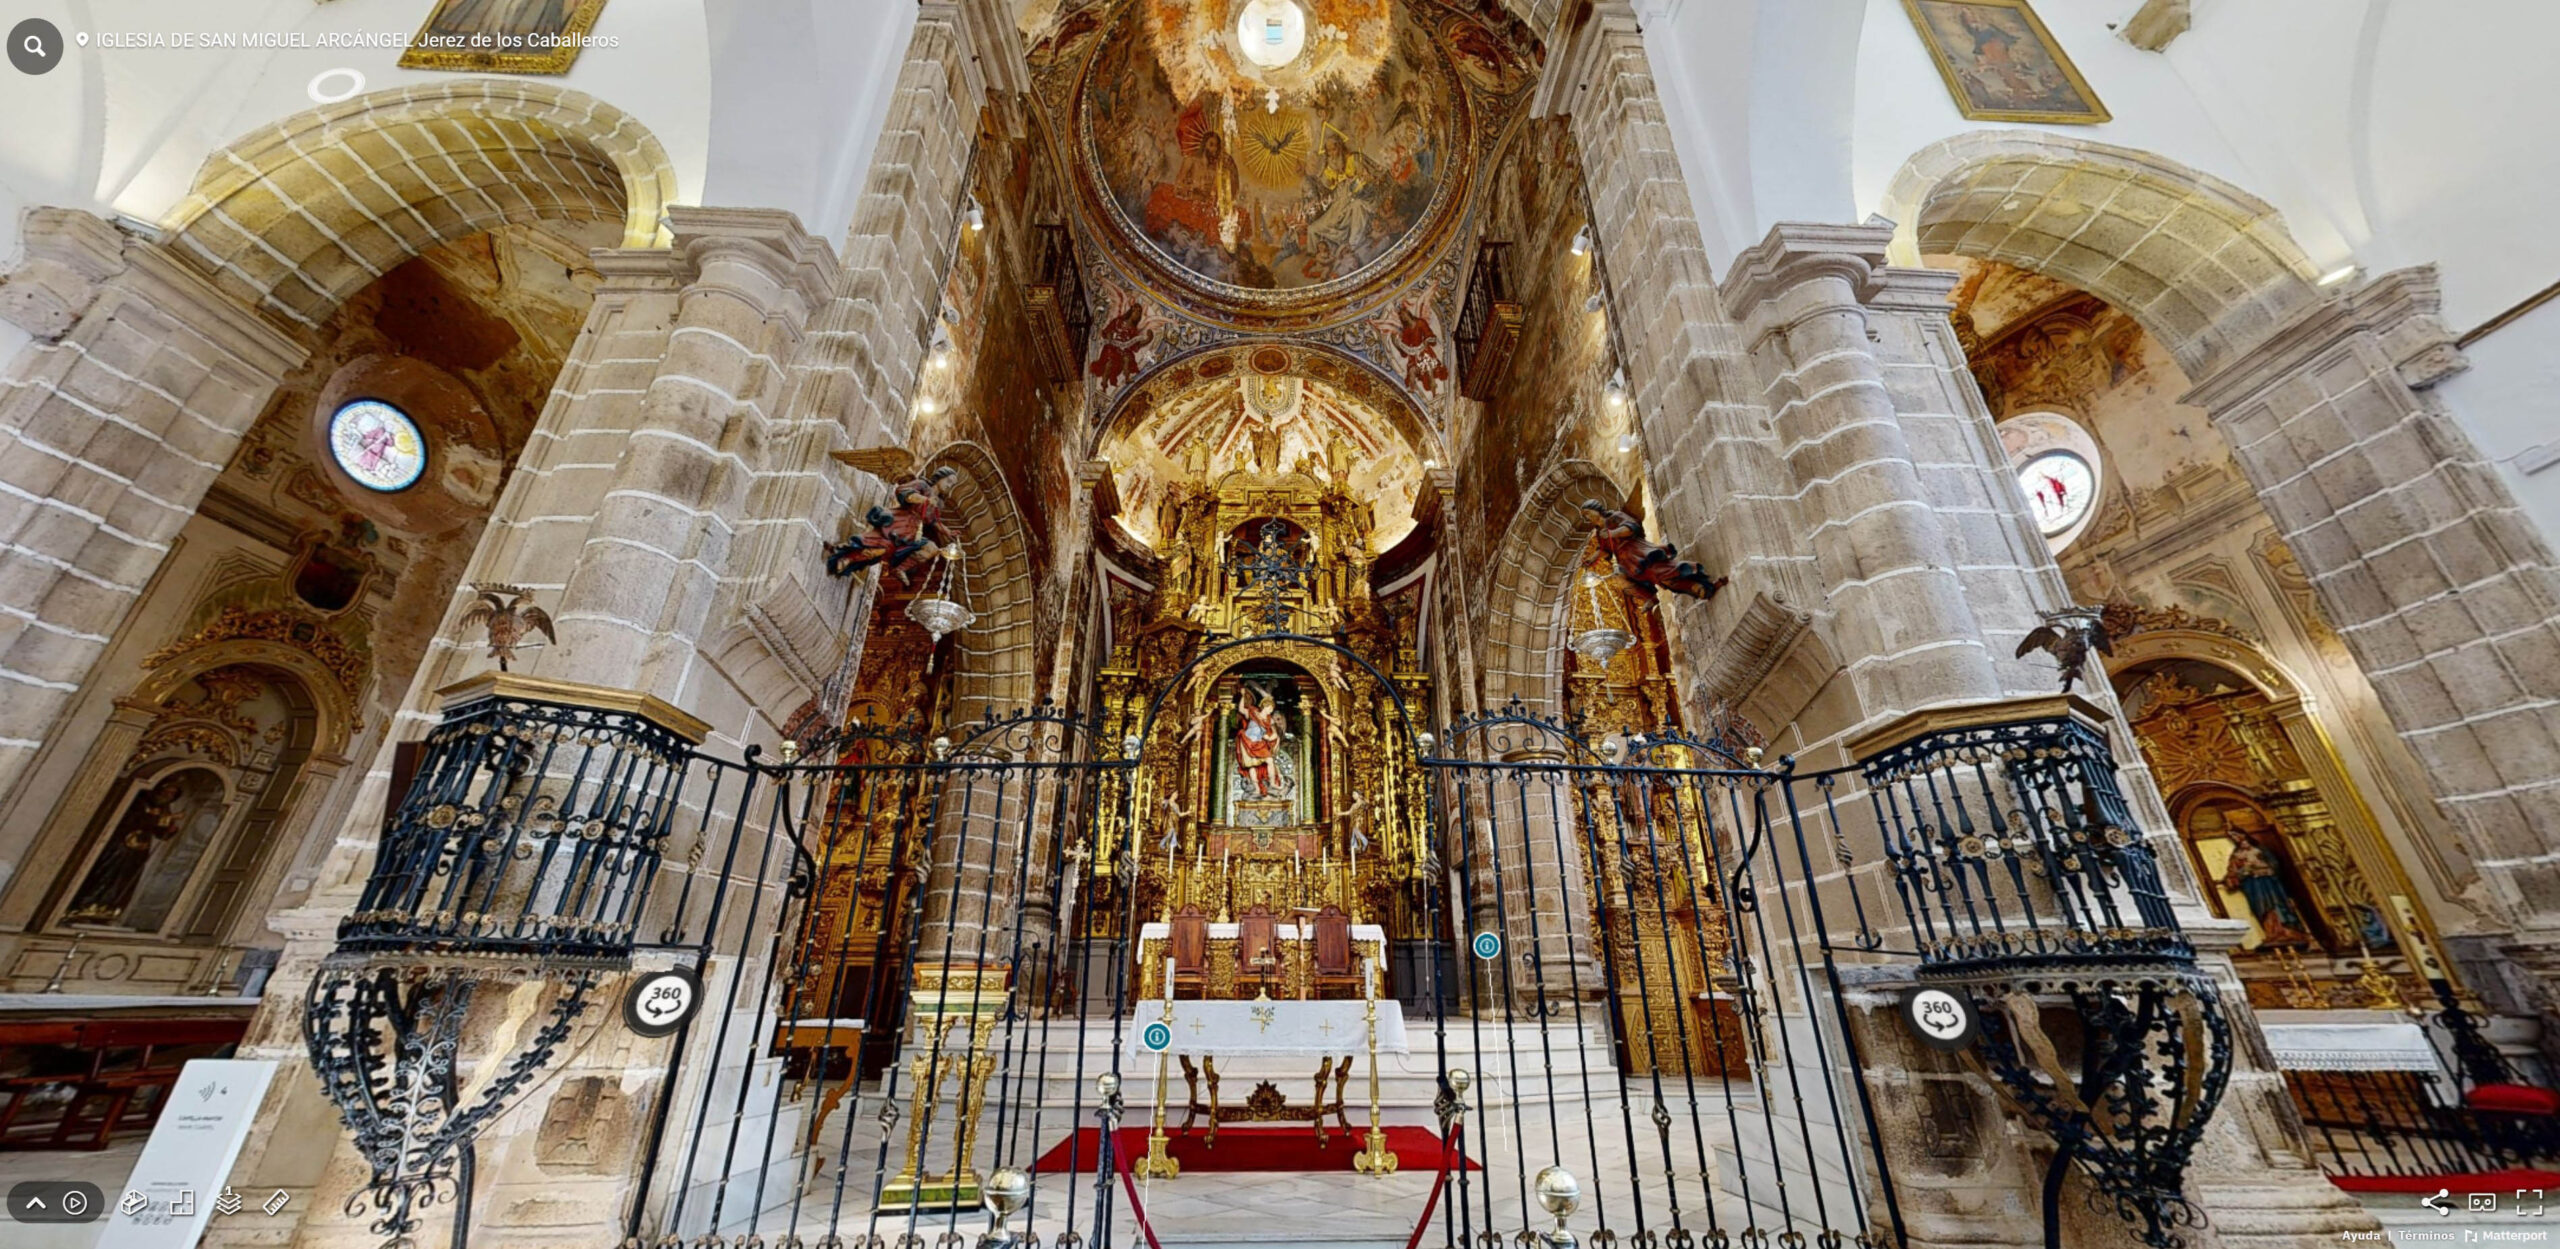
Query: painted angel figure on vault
x,y
898,535
1263,770
1645,569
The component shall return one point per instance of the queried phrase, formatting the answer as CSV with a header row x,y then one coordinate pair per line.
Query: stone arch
x,y
1532,573
296,216
994,671
333,703
2206,267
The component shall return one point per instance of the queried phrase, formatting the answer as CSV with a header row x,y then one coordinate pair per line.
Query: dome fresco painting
x,y
1237,189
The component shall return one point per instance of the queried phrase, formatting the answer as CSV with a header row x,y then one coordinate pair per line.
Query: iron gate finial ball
x,y
1559,1192
1459,1080
1108,1085
1006,1190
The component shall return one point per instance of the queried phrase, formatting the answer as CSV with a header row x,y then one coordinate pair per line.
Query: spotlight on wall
x,y
942,349
2338,277
926,405
1616,391
1582,241
1595,303
1627,444
1430,464
976,214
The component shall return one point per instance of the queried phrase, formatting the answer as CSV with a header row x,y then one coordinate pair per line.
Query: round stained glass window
x,y
2060,487
378,445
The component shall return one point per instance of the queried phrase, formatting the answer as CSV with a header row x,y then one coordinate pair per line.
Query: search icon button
x,y
35,46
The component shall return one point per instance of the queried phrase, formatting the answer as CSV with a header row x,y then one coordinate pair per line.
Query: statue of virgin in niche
x,y
153,819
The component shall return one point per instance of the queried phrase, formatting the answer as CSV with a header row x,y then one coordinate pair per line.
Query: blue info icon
x,y
1488,946
1157,1038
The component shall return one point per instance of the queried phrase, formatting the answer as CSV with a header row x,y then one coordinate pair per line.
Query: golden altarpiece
x,y
1279,779
1280,775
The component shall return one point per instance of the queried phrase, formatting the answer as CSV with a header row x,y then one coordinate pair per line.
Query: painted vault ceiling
x,y
1323,202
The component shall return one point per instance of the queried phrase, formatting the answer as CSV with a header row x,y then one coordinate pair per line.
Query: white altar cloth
x,y
1227,1029
1361,934
2347,1041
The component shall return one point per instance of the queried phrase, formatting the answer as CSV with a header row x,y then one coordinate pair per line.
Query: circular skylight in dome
x,y
2060,487
377,445
1271,33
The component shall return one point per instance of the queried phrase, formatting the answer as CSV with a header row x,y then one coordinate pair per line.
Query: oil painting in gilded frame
x,y
2001,64
503,36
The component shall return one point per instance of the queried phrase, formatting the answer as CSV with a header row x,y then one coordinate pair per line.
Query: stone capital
x,y
2400,310
69,253
1797,252
767,239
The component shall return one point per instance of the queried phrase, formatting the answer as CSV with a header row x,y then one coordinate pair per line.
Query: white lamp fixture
x,y
1271,33
938,609
1616,391
976,214
2341,276
1582,241
1599,644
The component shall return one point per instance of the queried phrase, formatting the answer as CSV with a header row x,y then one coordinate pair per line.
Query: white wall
x,y
800,89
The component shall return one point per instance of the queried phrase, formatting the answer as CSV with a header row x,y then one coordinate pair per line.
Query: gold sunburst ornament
x,y
1274,148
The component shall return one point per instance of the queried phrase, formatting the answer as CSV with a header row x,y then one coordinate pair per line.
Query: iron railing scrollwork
x,y
2027,885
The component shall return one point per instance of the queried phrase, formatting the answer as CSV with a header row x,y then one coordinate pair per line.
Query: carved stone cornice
x,y
68,254
1750,651
2400,309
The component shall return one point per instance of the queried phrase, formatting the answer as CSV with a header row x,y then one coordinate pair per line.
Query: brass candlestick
x,y
1159,1164
944,998
1375,1158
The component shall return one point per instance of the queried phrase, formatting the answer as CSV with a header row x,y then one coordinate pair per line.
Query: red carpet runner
x,y
1417,1150
2481,1182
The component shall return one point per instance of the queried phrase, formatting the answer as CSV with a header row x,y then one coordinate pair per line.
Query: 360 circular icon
x,y
661,1001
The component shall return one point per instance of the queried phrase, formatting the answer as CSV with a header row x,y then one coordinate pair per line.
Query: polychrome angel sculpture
x,y
1645,569
910,528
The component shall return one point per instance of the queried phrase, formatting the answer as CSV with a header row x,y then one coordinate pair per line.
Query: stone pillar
x,y
2420,557
1718,485
1901,622
142,378
638,602
852,383
623,506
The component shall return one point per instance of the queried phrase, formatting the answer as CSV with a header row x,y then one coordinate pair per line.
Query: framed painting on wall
x,y
503,36
2001,64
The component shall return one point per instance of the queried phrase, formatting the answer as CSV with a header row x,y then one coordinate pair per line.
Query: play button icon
x,y
56,1201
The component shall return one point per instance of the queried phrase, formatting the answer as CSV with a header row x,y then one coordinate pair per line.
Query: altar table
x,y
1267,1029
1270,1029
1155,942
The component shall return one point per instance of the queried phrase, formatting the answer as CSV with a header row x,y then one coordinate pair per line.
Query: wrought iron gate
x,y
919,970
1643,991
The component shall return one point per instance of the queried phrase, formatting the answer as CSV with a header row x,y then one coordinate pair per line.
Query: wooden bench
x,y
105,1099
